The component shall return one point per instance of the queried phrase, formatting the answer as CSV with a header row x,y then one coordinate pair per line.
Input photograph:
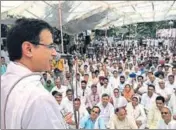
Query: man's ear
x,y
27,49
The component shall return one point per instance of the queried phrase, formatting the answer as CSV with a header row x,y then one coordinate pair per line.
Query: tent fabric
x,y
78,16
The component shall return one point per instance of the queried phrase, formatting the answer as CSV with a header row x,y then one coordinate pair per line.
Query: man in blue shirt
x,y
3,65
92,121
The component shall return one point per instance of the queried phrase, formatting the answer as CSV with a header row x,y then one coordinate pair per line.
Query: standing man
x,y
29,105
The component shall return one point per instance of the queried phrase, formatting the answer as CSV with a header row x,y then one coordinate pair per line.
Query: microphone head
x,y
58,56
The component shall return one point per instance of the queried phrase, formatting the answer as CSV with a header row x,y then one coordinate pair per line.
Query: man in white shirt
x,y
148,98
136,110
31,50
83,92
59,88
80,112
114,80
171,83
120,120
67,102
163,91
167,122
107,109
117,99
106,88
140,87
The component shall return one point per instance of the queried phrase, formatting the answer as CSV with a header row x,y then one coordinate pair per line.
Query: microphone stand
x,y
70,64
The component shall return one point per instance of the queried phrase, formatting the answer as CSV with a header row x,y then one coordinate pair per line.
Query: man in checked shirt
x,y
93,98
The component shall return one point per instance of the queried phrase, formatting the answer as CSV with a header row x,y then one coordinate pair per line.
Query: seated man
x,y
120,120
166,122
107,109
172,104
148,99
154,114
136,110
92,121
117,99
80,112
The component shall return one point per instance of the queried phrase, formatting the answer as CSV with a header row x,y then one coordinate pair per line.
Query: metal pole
x,y
60,24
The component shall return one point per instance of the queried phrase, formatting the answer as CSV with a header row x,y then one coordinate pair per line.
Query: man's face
x,y
85,67
2,60
134,101
160,69
48,83
77,104
115,74
105,82
120,70
83,85
45,76
140,79
174,71
116,93
70,96
41,56
121,114
166,115
105,100
57,82
58,99
122,80
150,91
159,104
101,81
162,85
78,77
94,113
94,89
171,79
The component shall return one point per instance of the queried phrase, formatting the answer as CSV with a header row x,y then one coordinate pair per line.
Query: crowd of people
x,y
121,87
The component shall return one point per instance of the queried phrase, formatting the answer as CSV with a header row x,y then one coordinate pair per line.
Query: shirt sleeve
x,y
101,124
82,123
111,123
150,117
132,123
43,113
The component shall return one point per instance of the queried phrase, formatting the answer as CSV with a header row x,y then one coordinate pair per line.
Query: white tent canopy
x,y
78,16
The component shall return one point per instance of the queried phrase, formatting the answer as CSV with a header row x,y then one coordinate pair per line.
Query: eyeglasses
x,y
50,46
164,113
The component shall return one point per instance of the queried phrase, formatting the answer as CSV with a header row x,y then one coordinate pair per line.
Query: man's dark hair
x,y
105,95
140,76
151,85
77,99
106,79
96,107
83,81
68,90
123,77
160,98
25,29
56,93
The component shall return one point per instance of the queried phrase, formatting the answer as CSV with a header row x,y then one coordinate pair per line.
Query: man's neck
x,y
167,121
59,86
94,93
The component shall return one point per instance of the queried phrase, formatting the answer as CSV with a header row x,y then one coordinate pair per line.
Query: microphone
x,y
62,55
